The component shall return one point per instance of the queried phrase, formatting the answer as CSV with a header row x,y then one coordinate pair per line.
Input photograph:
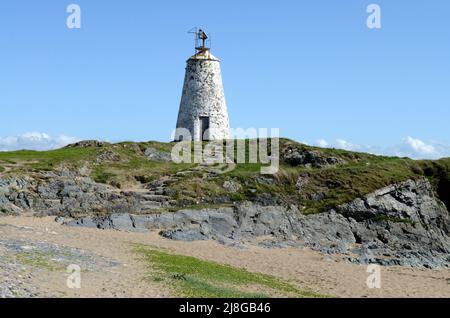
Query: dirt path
x,y
6,169
8,166
110,268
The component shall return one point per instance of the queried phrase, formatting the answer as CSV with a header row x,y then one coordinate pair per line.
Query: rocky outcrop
x,y
296,156
402,224
231,186
72,193
157,155
88,144
404,221
399,225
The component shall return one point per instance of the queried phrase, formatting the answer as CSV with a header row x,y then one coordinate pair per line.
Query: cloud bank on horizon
x,y
35,141
408,147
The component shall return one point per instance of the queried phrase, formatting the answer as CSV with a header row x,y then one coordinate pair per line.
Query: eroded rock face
x,y
70,193
399,225
88,144
410,201
404,220
156,155
309,158
402,224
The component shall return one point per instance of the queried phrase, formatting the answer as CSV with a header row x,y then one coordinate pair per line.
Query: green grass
x,y
39,260
192,277
134,170
6,161
133,166
48,160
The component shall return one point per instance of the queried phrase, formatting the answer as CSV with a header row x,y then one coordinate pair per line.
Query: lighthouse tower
x,y
203,110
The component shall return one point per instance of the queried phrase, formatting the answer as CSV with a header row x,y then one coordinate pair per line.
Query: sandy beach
x,y
306,268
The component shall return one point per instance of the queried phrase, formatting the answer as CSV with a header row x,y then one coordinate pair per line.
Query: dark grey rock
x,y
232,186
184,235
298,156
88,144
63,193
157,155
266,199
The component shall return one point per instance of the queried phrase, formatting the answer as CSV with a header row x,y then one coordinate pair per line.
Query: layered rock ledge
x,y
403,224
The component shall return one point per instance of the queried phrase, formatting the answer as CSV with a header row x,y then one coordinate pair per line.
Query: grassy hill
x,y
316,179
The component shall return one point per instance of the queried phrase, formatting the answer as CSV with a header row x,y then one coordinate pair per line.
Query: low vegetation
x,y
196,278
39,260
47,160
314,188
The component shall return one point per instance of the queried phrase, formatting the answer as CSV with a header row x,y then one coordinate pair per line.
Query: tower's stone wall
x,y
203,96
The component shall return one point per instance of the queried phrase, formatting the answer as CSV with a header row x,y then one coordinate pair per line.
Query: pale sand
x,y
306,268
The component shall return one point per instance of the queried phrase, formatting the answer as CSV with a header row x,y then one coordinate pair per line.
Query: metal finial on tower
x,y
202,39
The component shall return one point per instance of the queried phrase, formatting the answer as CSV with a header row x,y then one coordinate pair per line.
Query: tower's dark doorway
x,y
204,128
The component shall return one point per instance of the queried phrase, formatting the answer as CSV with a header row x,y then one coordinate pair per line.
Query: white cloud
x,y
35,141
420,147
339,144
343,144
408,147
322,143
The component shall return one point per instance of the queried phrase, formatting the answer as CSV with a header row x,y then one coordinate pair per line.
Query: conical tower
x,y
203,110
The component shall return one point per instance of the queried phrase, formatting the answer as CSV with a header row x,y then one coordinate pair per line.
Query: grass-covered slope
x,y
313,178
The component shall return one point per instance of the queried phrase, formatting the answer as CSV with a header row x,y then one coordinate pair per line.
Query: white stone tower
x,y
203,110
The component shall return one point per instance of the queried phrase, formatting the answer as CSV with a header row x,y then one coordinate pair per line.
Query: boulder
x,y
157,155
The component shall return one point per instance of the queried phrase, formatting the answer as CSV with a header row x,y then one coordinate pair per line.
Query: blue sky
x,y
311,68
